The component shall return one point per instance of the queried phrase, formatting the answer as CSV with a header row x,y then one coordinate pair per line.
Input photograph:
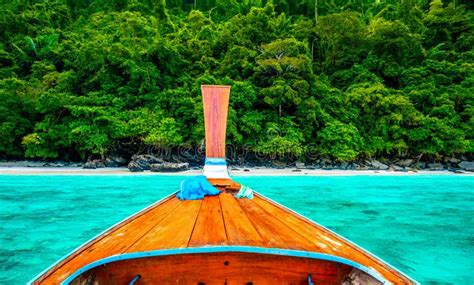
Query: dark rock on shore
x,y
115,161
93,164
143,162
352,166
299,165
377,165
56,164
435,166
146,158
404,162
111,161
453,160
279,164
149,162
398,165
171,164
134,166
466,165
395,167
418,165
343,165
169,167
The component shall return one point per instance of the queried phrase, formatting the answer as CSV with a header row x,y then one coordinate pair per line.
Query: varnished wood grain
x,y
239,228
209,228
224,184
215,103
274,232
220,268
174,231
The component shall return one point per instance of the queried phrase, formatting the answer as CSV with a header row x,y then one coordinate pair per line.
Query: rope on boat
x,y
135,279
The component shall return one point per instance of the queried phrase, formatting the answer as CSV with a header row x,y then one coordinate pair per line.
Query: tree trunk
x,y
315,12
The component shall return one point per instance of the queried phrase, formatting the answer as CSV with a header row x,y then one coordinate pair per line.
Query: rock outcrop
x,y
435,166
375,164
300,165
149,162
466,165
143,162
115,161
404,162
93,164
169,167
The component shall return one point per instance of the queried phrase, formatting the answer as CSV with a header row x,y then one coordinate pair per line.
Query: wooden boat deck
x,y
216,221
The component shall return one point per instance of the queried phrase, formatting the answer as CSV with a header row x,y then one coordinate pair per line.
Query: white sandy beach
x,y
257,171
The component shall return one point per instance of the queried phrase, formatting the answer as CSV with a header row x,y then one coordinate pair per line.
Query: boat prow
x,y
220,239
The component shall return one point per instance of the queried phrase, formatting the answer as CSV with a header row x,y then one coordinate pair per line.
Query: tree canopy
x,y
346,79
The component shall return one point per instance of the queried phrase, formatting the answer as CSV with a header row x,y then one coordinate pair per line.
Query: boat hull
x,y
224,265
216,226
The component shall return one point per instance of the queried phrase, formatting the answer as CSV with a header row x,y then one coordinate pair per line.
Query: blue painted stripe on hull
x,y
224,249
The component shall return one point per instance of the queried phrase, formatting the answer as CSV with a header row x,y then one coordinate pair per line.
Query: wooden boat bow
x,y
220,239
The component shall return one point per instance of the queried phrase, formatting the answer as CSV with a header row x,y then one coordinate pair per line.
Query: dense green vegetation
x,y
346,79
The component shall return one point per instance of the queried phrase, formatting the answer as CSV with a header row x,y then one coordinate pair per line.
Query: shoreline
x,y
257,171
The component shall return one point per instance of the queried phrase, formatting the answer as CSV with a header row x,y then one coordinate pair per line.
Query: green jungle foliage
x,y
349,79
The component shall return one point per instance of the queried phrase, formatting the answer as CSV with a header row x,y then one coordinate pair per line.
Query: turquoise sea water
x,y
423,225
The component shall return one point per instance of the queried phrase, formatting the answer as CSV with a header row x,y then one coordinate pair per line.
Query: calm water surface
x,y
423,225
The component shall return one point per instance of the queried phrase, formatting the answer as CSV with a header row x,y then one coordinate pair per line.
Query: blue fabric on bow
x,y
195,188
